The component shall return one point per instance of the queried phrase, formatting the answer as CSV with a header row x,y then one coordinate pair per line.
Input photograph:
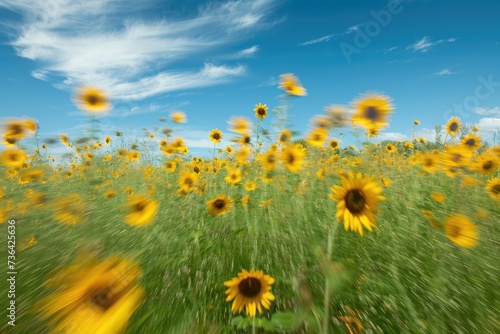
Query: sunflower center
x,y
215,136
453,127
355,201
471,142
487,165
250,287
219,204
428,162
188,181
16,129
333,144
103,298
261,111
271,158
290,159
283,138
93,99
496,189
246,140
372,113
454,231
138,207
456,157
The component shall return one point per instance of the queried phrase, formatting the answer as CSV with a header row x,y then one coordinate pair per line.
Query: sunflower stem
x,y
326,301
253,326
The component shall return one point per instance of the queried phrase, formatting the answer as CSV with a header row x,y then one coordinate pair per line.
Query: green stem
x,y
326,301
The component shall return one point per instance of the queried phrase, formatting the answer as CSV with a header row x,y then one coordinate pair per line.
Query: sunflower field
x,y
275,233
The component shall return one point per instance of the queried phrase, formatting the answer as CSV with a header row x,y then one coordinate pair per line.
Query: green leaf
x,y
286,320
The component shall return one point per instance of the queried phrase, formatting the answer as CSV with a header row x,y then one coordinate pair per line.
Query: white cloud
x,y
489,124
39,74
102,43
488,111
425,44
245,53
390,49
445,72
317,40
392,136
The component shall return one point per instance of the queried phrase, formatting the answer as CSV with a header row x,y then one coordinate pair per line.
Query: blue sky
x,y
217,59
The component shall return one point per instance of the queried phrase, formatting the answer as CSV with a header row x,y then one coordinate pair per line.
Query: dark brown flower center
x,y
454,231
94,99
138,207
261,111
333,144
216,136
487,165
428,162
271,158
355,201
283,138
372,113
470,142
219,204
103,298
496,189
290,158
250,287
453,127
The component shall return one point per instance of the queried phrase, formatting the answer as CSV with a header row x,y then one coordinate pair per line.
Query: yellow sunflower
x,y
93,297
429,162
13,158
453,126
461,231
170,166
416,122
270,160
493,188
188,180
372,111
141,210
239,125
215,136
70,210
260,111
220,205
334,144
358,197
31,175
250,290
293,157
92,100
178,117
456,156
317,137
471,141
487,164
291,85
233,176
284,137
391,148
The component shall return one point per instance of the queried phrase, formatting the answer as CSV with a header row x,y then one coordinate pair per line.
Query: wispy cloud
x,y
317,40
390,49
392,136
245,53
103,43
425,44
446,71
487,111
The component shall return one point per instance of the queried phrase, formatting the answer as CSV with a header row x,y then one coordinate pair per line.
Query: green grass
x,y
405,277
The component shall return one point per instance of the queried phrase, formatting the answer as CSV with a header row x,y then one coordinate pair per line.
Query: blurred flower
x,y
493,188
372,111
215,136
239,125
220,205
291,85
461,231
178,117
453,126
141,210
92,100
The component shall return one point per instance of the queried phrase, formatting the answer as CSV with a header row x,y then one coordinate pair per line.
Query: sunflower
x,y
70,210
220,205
242,155
178,117
250,290
487,164
493,188
372,111
233,176
471,141
133,155
93,297
357,197
141,210
249,186
92,100
188,181
334,144
416,122
438,197
461,231
372,133
429,162
291,85
293,157
13,158
16,130
31,175
270,160
239,125
391,148
170,166
215,136
453,126
317,137
260,111
456,156
321,121
284,137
